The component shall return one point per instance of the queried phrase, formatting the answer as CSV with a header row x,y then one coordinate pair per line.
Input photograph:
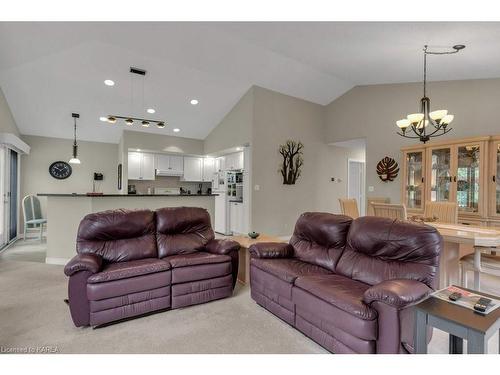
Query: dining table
x,y
459,240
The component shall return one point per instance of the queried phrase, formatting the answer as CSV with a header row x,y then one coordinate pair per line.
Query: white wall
x,y
7,122
95,157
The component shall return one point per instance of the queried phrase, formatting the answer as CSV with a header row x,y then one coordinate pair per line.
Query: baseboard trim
x,y
58,261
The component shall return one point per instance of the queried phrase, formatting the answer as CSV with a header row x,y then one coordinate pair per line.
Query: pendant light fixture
x,y
426,124
129,120
74,159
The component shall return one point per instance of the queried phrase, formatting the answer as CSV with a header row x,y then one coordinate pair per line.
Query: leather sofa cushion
x,y
319,238
118,235
380,249
123,270
344,293
195,259
198,266
123,287
287,269
182,230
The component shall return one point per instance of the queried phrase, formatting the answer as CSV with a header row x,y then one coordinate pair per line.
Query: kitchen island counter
x,y
65,211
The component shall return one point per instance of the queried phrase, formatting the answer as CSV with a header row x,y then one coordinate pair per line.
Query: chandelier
x,y
426,124
129,120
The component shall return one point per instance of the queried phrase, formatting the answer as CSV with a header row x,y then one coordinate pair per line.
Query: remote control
x,y
455,296
482,304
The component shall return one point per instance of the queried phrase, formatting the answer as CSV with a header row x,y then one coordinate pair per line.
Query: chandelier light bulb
x,y
145,124
447,119
403,124
111,119
160,125
438,115
129,122
415,118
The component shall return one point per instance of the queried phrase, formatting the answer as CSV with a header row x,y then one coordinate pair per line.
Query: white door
x,y
356,183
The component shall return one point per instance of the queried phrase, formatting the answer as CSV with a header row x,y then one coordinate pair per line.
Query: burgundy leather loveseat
x,y
349,284
132,262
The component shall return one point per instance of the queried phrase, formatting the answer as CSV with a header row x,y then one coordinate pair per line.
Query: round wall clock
x,y
60,170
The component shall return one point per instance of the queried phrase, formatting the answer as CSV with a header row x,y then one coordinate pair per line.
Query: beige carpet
x,y
32,314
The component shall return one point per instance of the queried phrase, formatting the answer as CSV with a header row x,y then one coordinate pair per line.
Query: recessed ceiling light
x,y
238,148
176,130
103,118
194,101
151,110
109,82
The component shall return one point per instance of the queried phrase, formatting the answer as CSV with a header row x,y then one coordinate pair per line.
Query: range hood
x,y
168,172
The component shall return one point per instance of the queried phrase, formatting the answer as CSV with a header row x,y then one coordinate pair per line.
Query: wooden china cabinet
x,y
466,171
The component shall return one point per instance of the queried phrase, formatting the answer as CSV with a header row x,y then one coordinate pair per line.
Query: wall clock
x,y
60,170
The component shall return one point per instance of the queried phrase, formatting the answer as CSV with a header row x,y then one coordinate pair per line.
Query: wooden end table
x,y
461,323
244,258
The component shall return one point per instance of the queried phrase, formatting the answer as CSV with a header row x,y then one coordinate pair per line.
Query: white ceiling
x,y
48,70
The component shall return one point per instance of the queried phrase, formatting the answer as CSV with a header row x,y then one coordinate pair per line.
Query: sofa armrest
x,y
398,293
222,247
83,262
271,250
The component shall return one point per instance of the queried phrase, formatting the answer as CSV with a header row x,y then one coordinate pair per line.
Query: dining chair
x,y
349,207
445,212
375,200
32,214
483,260
392,211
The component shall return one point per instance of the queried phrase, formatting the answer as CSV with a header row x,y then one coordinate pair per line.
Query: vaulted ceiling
x,y
48,70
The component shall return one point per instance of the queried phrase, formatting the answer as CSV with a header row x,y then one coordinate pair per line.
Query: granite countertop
x,y
124,195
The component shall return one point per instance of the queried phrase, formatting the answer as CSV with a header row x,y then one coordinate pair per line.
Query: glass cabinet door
x,y
414,180
496,179
440,184
467,178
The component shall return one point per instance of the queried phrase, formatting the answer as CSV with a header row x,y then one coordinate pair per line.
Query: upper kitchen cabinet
x,y
141,166
193,169
208,169
220,164
234,161
169,165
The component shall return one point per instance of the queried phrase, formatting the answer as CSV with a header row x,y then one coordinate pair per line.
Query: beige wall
x,y
7,123
161,143
95,157
371,111
236,127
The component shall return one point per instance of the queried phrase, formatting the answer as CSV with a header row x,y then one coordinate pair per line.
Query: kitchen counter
x,y
65,211
123,195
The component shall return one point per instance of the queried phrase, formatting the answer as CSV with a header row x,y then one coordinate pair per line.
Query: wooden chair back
x,y
392,211
371,200
349,207
445,212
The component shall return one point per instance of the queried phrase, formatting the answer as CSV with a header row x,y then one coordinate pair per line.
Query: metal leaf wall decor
x,y
292,161
387,169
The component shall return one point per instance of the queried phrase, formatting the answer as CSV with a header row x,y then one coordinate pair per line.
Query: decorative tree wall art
x,y
292,161
387,169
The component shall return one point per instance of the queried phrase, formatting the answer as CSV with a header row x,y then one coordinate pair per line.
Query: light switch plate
x,y
371,189
256,187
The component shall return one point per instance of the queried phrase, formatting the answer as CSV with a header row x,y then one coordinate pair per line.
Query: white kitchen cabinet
x,y
141,166
220,163
208,169
193,169
234,161
236,217
169,165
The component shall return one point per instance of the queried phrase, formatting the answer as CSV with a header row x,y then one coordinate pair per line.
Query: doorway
x,y
356,183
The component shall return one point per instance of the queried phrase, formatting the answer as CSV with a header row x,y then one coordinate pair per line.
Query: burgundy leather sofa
x,y
349,284
133,262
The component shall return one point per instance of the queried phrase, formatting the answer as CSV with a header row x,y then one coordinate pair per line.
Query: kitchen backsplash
x,y
168,182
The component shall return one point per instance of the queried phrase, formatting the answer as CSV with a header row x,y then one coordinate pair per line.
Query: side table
x,y
461,323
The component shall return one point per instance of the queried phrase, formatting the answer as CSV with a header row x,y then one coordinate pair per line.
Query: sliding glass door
x,y
9,199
